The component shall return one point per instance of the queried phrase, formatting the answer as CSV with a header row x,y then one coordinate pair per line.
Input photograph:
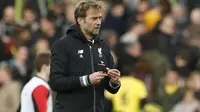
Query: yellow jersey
x,y
128,98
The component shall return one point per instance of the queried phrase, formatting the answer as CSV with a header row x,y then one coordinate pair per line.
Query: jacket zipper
x,y
94,92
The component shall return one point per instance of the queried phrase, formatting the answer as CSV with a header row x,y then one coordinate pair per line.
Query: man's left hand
x,y
114,74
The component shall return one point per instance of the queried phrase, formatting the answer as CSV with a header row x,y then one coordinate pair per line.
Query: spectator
x,y
19,64
9,90
115,19
7,30
170,92
128,54
29,19
110,37
188,104
23,36
69,17
162,39
182,63
193,83
48,29
180,16
192,32
139,12
135,31
7,24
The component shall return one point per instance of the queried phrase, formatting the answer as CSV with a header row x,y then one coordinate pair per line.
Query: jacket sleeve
x,y
60,81
107,84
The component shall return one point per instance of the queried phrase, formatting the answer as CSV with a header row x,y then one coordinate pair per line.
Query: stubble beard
x,y
93,32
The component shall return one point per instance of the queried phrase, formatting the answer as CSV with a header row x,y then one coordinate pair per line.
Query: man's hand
x,y
114,74
96,77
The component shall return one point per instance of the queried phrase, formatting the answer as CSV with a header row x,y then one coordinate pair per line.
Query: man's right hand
x,y
96,77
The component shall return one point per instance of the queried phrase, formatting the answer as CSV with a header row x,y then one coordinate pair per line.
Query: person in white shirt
x,y
36,94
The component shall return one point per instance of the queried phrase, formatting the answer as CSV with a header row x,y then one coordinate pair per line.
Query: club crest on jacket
x,y
100,52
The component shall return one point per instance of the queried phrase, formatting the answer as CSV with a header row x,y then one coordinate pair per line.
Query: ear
x,y
80,21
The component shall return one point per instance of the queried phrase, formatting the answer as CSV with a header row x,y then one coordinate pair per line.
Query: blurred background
x,y
155,44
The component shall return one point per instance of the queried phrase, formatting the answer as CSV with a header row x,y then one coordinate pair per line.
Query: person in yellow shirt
x,y
128,98
170,92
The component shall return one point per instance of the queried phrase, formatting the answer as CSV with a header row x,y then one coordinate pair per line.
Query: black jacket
x,y
72,58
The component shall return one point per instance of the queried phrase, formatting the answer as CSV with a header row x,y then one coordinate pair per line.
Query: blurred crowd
x,y
155,44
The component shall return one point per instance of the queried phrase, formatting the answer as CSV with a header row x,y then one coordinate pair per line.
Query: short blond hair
x,y
84,5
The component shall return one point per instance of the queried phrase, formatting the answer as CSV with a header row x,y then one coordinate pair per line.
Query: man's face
x,y
9,15
168,25
171,77
92,22
29,16
22,53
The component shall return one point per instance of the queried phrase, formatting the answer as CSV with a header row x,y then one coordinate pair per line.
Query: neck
x,y
7,82
135,33
43,76
88,37
189,98
19,61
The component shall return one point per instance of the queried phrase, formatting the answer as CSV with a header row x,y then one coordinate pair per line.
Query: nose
x,y
98,21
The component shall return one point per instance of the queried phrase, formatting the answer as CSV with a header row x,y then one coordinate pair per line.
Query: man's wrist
x,y
114,84
84,80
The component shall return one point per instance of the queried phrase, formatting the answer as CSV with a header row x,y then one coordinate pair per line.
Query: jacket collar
x,y
75,31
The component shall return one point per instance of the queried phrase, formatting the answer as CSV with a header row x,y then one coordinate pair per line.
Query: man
x,y
9,89
82,65
36,95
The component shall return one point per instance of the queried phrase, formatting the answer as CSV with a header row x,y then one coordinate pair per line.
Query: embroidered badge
x,y
80,53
